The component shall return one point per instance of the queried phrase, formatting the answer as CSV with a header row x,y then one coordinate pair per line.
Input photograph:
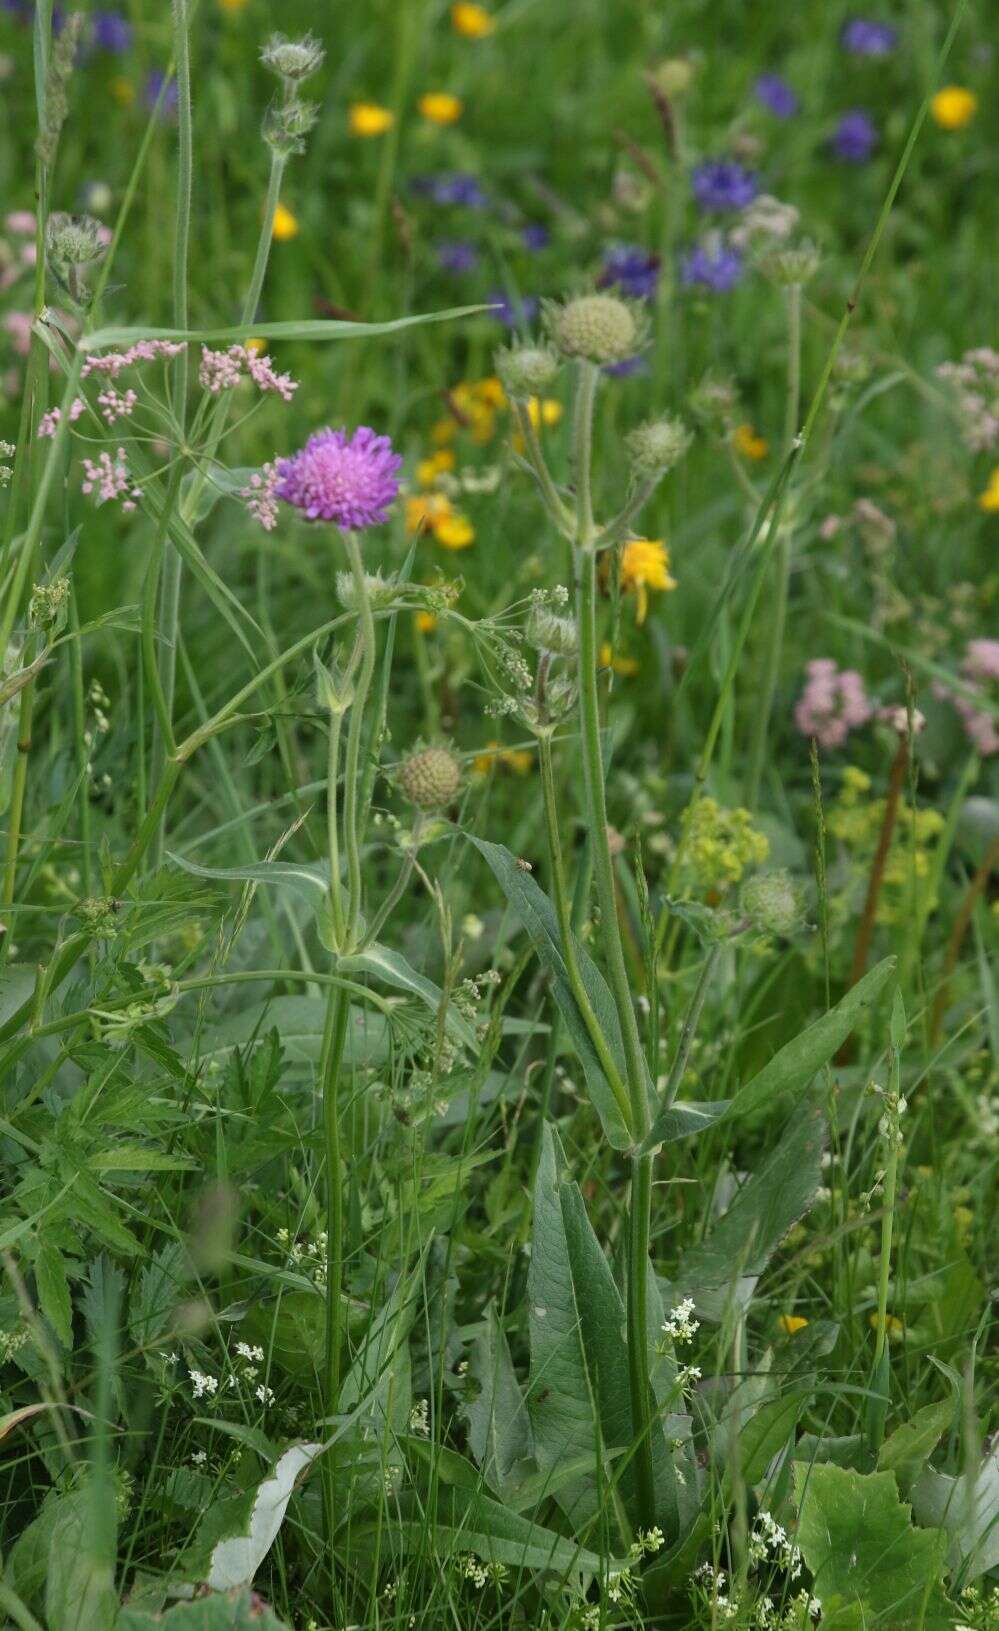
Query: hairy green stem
x,y
352,816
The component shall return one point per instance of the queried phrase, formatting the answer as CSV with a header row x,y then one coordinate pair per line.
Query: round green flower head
x,y
430,778
526,370
599,327
657,446
773,901
546,631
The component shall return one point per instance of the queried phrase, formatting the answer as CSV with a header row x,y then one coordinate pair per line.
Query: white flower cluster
x,y
419,1418
769,1543
679,1324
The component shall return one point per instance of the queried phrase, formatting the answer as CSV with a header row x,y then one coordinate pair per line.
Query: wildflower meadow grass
x,y
499,816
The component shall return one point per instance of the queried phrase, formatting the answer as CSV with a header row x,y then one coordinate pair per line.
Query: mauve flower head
x,y
151,91
864,37
535,237
832,704
451,188
712,264
350,481
855,137
513,311
723,184
457,255
632,270
625,369
776,95
111,31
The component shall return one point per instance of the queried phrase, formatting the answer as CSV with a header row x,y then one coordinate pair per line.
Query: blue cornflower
x,y
451,188
153,86
632,270
457,255
855,137
863,37
535,236
722,184
712,265
111,31
776,95
625,369
513,311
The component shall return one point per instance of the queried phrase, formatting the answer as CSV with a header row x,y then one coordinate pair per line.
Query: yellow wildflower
x,y
989,500
426,622
285,224
258,347
444,430
519,760
123,91
789,1323
232,5
627,667
746,442
454,531
425,510
489,390
544,412
441,108
369,119
645,566
473,21
953,107
436,465
893,1325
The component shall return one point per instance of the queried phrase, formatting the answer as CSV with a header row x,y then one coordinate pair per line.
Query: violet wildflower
x,y
632,270
151,93
260,496
513,311
625,369
865,37
723,184
712,264
110,31
832,704
48,422
108,479
776,95
350,481
535,237
855,137
450,188
457,255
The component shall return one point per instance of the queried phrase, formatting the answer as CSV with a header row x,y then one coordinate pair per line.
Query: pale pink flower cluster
x,y
260,497
832,704
16,258
975,380
115,404
221,370
111,363
108,479
980,669
48,422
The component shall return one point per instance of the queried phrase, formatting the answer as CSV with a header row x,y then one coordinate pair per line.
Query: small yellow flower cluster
x,y
746,442
472,21
953,107
627,667
285,225
367,119
989,499
856,820
645,566
519,760
721,844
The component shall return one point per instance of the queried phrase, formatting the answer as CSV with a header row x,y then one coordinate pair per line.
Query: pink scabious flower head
x,y
832,704
981,661
350,481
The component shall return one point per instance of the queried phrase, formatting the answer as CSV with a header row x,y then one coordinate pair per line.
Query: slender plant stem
x,y
865,929
351,799
983,873
333,824
690,1024
334,1038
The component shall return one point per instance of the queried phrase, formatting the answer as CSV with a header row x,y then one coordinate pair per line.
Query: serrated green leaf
x,y
905,1451
53,1290
857,1539
138,1158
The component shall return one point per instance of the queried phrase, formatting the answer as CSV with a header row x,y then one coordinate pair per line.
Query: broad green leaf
x,y
310,880
391,967
537,915
768,1204
318,329
857,1539
17,982
499,1427
236,1557
968,1509
767,1432
53,1290
684,1120
236,1611
300,1022
80,1591
905,1451
795,1065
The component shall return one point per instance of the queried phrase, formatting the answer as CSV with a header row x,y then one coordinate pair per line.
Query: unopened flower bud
x,y
714,400
657,446
430,778
286,125
382,592
334,690
899,719
598,327
294,60
526,370
49,605
546,631
73,245
792,265
772,900
673,77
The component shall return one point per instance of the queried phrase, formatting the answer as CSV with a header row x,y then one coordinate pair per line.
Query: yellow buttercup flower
x,y
441,108
123,91
953,107
746,442
645,566
424,510
519,760
789,1323
437,464
627,667
473,21
426,622
232,5
454,531
893,1325
368,119
989,500
285,224
257,346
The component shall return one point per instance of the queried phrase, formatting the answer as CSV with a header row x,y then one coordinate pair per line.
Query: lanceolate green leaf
x,y
316,329
392,968
537,915
499,1427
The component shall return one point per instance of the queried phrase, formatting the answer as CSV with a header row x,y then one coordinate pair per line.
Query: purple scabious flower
x,y
452,187
722,184
716,266
863,37
776,95
513,311
535,237
457,255
151,91
626,368
855,137
111,31
632,270
350,481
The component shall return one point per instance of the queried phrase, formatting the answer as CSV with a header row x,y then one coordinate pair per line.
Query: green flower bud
x,y
73,245
526,370
546,631
598,327
293,60
48,607
382,592
792,265
657,446
773,901
430,777
715,400
286,125
334,691
673,77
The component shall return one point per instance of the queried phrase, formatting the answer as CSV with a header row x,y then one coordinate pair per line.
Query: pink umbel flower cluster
x,y
351,481
221,370
48,422
260,497
975,380
980,670
832,704
115,404
108,479
111,363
